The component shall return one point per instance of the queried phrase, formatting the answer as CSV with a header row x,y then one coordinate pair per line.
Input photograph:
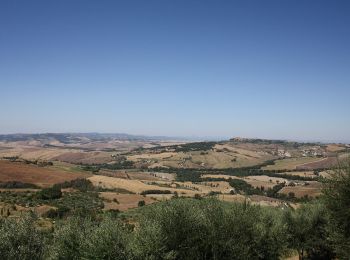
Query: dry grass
x,y
312,190
151,156
221,156
264,181
135,186
301,174
323,163
123,202
335,147
291,163
131,175
231,198
223,176
55,154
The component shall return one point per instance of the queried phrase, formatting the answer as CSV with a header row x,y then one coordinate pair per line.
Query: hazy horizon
x,y
263,69
187,138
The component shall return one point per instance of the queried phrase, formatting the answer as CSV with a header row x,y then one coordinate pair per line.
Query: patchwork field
x,y
220,156
121,171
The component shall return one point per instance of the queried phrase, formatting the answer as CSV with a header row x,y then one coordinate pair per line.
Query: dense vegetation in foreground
x,y
193,229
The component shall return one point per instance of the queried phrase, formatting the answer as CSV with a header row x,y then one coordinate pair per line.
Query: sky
x,y
268,69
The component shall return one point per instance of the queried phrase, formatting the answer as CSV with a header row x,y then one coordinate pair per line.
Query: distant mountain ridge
x,y
74,137
98,137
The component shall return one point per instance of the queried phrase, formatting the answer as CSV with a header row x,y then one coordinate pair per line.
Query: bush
x,y
208,229
79,184
78,238
243,186
141,203
50,193
19,239
337,202
17,185
145,192
306,231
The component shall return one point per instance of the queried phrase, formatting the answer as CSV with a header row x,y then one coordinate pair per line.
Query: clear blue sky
x,y
269,69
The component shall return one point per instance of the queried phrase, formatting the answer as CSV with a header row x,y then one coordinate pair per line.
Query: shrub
x,y
208,229
337,202
19,239
79,184
306,231
243,186
78,238
50,193
145,192
141,203
17,185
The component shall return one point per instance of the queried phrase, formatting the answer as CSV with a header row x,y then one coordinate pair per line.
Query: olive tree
x,y
337,201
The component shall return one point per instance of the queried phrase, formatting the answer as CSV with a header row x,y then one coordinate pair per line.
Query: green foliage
x,y
78,203
95,168
19,239
50,193
141,203
191,147
17,185
78,238
184,175
78,184
274,191
145,192
243,186
306,231
194,175
337,201
184,228
208,229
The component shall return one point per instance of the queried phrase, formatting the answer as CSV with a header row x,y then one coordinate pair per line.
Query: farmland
x,y
292,163
88,181
131,171
41,176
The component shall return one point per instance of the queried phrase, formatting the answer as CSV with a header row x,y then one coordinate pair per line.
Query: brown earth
x,y
41,176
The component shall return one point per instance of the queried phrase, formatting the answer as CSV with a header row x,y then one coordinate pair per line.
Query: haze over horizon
x,y
266,69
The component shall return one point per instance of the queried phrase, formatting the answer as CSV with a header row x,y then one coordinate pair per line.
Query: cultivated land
x,y
40,176
292,163
125,170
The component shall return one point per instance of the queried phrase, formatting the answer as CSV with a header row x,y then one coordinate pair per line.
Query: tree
x,y
82,238
19,239
208,229
291,195
141,203
50,193
337,201
306,231
106,240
